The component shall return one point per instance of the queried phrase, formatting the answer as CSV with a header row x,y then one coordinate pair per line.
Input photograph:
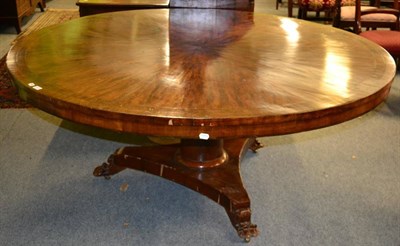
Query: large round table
x,y
216,79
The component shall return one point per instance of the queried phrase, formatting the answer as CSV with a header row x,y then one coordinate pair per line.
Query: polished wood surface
x,y
183,72
215,78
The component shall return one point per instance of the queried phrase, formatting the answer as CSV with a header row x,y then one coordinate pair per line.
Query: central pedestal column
x,y
201,153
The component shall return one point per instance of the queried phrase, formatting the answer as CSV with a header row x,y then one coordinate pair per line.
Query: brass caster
x,y
247,239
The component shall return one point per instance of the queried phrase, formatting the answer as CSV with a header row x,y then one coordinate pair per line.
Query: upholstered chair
x,y
388,39
345,16
317,6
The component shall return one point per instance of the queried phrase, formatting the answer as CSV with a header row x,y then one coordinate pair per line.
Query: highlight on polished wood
x,y
216,79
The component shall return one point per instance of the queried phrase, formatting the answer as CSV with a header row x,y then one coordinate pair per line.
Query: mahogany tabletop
x,y
184,72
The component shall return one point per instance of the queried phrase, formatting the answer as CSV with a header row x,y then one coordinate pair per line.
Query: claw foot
x,y
245,229
256,145
102,170
114,165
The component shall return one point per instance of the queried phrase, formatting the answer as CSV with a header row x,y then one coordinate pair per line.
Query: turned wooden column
x,y
201,153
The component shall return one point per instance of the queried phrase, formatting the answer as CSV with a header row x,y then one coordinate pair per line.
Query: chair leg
x,y
290,8
299,13
42,5
303,14
17,25
277,3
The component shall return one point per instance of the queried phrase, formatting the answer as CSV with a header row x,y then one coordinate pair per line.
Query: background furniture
x,y
377,17
382,17
12,11
318,6
290,5
387,39
214,4
89,7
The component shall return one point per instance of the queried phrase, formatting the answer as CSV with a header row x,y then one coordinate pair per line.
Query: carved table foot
x,y
108,168
208,167
240,219
256,145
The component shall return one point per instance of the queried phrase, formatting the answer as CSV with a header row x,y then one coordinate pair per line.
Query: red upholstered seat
x,y
326,6
317,5
389,40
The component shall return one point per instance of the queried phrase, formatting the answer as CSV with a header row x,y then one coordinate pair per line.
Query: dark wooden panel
x,y
214,4
90,7
12,11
